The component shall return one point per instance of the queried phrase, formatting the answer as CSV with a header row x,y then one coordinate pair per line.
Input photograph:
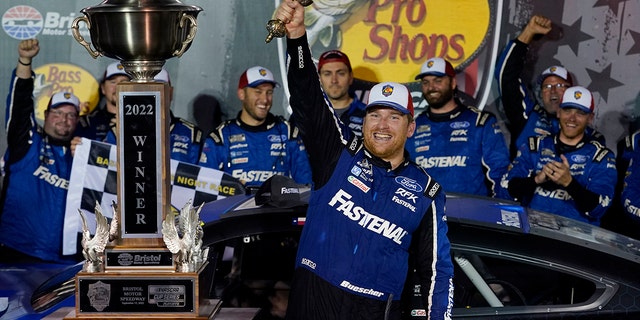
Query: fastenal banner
x,y
93,178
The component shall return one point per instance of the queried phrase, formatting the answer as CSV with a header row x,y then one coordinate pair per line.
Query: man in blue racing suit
x,y
38,167
257,144
460,146
526,117
569,173
631,189
370,205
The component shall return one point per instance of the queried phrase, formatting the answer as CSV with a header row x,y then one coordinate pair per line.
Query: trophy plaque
x,y
148,269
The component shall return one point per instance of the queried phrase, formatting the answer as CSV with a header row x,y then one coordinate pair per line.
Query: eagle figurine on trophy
x,y
93,247
185,241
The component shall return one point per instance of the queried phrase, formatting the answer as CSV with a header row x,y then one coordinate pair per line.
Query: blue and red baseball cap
x,y
256,76
333,56
579,98
436,67
391,94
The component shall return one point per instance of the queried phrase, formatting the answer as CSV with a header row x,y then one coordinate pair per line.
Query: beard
x,y
439,102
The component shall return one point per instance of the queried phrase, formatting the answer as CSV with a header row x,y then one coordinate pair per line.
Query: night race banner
x,y
93,178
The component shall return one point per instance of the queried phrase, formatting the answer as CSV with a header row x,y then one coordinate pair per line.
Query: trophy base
x,y
135,295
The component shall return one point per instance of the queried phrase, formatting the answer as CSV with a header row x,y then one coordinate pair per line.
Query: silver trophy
x,y
276,27
142,34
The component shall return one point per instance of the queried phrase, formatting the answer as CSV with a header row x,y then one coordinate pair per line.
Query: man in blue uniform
x,y
526,117
618,218
336,77
185,140
38,167
631,190
460,146
569,173
370,205
256,144
624,217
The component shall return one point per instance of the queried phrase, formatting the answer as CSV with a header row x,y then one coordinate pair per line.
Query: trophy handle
x,y
80,38
193,28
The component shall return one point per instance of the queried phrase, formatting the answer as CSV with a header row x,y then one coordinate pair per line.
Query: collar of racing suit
x,y
441,117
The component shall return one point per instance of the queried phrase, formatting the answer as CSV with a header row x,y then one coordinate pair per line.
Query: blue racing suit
x,y
631,190
464,150
526,117
364,216
36,182
185,140
626,148
254,154
589,194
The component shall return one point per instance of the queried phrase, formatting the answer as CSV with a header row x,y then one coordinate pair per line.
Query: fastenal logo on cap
x,y
579,98
393,95
256,76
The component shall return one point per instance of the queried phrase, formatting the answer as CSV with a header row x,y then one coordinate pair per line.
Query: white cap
x,y
436,67
579,98
114,69
64,98
256,76
391,94
162,76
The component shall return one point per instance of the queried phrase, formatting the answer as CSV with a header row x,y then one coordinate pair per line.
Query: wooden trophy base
x,y
136,295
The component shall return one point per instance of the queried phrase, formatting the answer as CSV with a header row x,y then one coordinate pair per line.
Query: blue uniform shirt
x,y
254,154
362,214
631,189
591,164
464,150
38,171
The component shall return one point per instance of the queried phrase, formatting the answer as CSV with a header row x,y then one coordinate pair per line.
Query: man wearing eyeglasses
x,y
38,166
567,173
526,116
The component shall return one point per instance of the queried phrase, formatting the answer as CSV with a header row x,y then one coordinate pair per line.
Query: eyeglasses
x,y
558,86
65,115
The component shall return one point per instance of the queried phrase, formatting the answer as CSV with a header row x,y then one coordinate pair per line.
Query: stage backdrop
x,y
387,40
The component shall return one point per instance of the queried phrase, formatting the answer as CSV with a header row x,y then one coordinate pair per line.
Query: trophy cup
x,y
276,28
137,275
